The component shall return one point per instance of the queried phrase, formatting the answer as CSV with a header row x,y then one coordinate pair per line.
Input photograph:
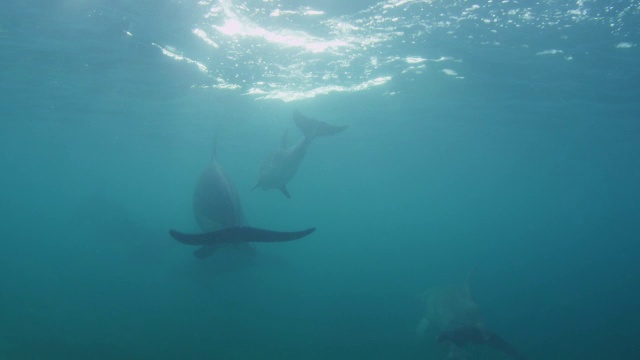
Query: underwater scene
x,y
320,179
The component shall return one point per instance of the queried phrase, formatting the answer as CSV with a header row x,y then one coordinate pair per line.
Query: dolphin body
x,y
279,168
457,320
218,212
448,308
462,336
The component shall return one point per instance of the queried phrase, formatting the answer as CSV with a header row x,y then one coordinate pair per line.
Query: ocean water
x,y
490,143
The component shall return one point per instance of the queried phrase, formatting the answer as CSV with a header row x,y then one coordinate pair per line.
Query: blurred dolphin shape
x,y
449,308
279,168
218,212
462,336
454,318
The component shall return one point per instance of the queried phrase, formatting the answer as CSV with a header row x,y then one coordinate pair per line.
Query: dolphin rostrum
x,y
278,169
218,212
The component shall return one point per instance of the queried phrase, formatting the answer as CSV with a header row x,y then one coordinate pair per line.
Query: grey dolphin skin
x,y
279,168
218,212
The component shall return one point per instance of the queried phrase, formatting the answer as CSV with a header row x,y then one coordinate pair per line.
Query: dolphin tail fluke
x,y
312,128
238,234
205,251
284,191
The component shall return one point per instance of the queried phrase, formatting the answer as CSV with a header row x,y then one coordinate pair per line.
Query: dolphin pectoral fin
x,y
238,234
205,251
284,191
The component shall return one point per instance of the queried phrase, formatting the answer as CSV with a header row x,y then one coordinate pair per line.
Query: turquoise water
x,y
500,136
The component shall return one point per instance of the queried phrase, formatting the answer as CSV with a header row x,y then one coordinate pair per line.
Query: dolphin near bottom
x,y
462,336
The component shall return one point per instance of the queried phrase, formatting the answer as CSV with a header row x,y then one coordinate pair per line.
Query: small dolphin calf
x,y
279,168
218,212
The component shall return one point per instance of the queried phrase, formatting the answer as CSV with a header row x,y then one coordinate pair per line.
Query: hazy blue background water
x,y
517,151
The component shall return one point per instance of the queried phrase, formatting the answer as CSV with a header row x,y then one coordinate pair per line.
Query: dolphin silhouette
x,y
279,168
218,212
462,336
457,320
449,308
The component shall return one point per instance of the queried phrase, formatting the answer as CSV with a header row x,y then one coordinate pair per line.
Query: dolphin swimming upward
x,y
278,169
218,212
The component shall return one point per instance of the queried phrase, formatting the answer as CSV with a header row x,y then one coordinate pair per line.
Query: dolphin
x,y
218,212
279,168
456,319
462,336
448,308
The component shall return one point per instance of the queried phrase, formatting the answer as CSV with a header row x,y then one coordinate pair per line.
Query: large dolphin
x,y
455,319
218,212
278,169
